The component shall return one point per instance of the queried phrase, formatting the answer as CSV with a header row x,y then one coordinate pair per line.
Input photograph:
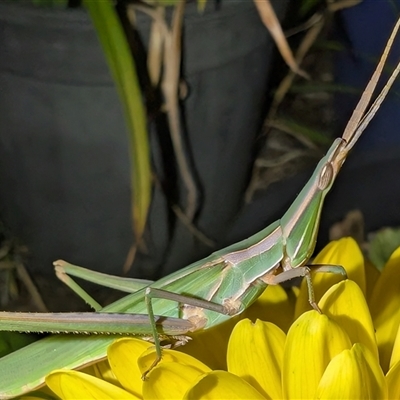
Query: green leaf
x,y
201,5
117,52
307,5
314,135
384,243
49,3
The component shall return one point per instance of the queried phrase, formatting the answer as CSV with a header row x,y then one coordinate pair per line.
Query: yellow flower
x,y
351,350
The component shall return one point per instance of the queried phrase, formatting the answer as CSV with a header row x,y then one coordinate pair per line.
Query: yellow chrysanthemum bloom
x,y
351,351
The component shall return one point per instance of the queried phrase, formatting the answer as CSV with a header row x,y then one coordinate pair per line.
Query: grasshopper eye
x,y
326,177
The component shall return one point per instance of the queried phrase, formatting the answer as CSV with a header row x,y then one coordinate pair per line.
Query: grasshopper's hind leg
x,y
64,270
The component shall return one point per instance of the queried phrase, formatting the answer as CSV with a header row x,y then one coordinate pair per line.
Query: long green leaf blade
x,y
121,63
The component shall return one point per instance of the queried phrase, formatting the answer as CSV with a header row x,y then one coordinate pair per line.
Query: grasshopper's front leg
x,y
304,272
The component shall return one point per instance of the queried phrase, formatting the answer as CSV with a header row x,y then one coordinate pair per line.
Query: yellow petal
x,y
393,381
395,357
221,385
344,252
39,396
311,343
255,353
123,357
204,343
102,370
353,374
44,393
385,308
77,385
345,304
147,359
170,380
275,305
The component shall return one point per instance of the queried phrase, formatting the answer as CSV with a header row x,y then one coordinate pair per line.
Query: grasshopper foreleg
x,y
304,272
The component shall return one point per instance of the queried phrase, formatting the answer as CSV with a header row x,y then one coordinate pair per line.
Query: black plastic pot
x,y
64,166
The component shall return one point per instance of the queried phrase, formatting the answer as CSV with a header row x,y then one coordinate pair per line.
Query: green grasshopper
x,y
200,296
